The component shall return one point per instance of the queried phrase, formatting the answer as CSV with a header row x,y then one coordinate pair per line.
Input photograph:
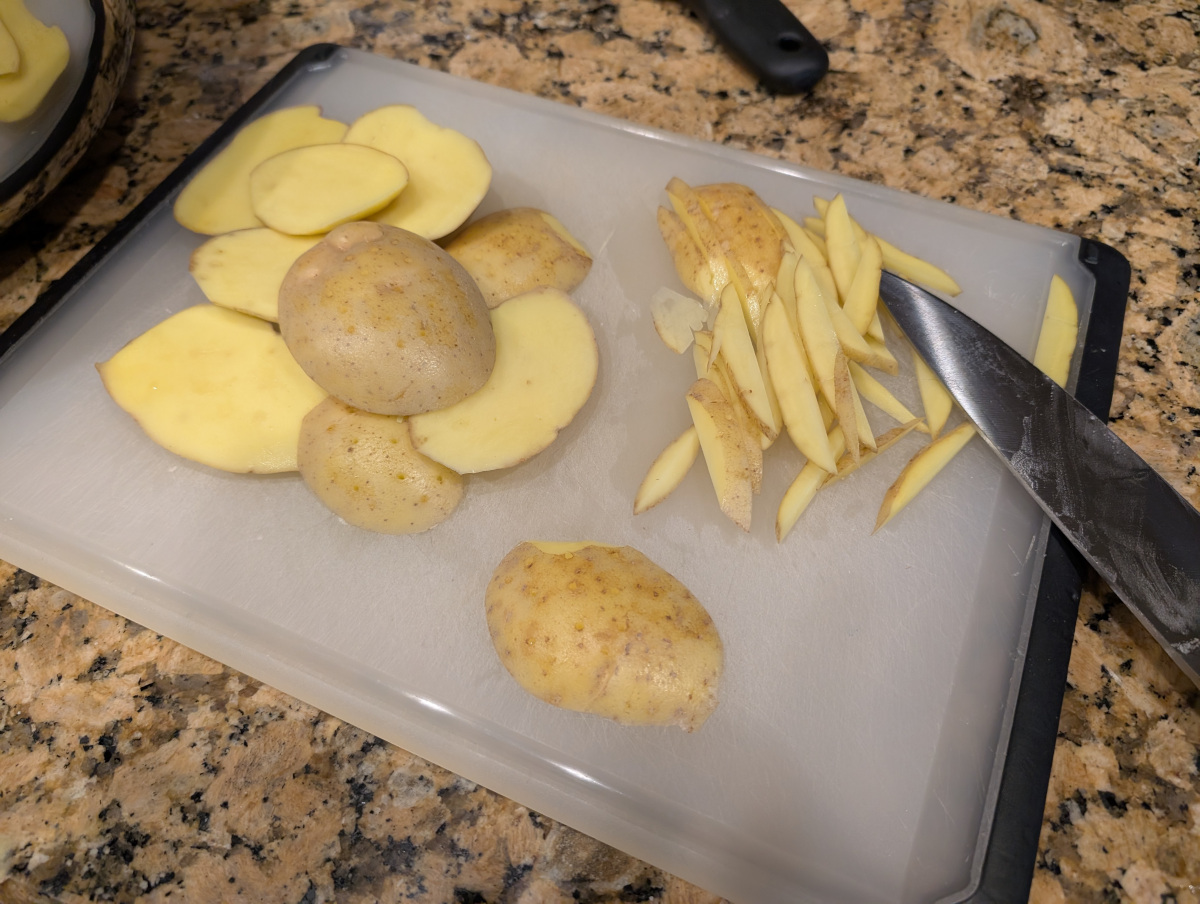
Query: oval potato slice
x,y
546,363
310,190
216,387
448,172
243,270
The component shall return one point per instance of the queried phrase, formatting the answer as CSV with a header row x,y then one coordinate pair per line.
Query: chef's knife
x,y
768,38
1139,534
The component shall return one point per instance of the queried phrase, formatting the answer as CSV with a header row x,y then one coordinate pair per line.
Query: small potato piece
x,y
217,199
216,387
386,321
448,172
243,270
603,629
517,250
40,54
546,364
312,189
363,467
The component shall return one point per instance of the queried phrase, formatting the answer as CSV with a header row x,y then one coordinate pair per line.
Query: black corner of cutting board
x,y
1011,852
313,55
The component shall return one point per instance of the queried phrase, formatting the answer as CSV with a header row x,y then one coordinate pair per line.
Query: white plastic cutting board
x,y
869,679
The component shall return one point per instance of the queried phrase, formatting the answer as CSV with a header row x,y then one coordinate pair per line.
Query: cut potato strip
x,y
890,365
310,190
731,340
217,387
921,469
217,199
804,488
668,470
546,364
448,172
842,245
862,300
1059,333
691,262
243,270
916,270
802,243
935,398
881,397
847,466
797,396
816,226
690,210
719,433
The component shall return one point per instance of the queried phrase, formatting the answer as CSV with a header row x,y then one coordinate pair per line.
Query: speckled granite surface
x,y
132,768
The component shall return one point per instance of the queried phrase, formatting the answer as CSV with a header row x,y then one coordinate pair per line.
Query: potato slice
x,y
921,469
217,199
804,488
916,270
364,468
1059,333
604,630
935,397
722,441
861,303
310,190
667,471
448,172
881,397
244,269
216,387
41,55
386,321
797,396
10,56
546,363
842,245
691,263
732,341
517,250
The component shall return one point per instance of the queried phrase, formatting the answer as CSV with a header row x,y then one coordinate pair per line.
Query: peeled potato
x,y
603,629
216,387
244,269
519,249
217,199
546,363
31,60
448,172
312,189
386,321
363,467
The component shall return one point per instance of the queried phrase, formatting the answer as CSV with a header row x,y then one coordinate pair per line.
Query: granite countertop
x,y
132,767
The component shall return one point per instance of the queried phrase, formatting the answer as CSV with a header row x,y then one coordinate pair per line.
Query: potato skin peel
x,y
603,629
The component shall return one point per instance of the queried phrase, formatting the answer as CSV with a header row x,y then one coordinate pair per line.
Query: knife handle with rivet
x,y
770,40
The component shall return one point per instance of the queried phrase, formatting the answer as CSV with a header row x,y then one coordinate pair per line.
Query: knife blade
x,y
1139,534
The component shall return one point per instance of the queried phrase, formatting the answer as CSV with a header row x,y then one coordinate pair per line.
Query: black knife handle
x,y
767,37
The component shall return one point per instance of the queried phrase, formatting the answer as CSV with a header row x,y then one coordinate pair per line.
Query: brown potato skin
x,y
386,321
363,467
605,630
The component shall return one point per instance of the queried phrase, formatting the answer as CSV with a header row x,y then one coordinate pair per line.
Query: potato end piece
x,y
667,471
921,469
604,630
386,321
365,470
517,250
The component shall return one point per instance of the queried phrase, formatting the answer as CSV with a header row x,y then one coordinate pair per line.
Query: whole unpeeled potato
x,y
364,468
603,629
386,321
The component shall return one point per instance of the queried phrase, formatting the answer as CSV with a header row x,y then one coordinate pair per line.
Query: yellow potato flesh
x,y
216,387
667,471
513,251
1059,333
10,56
725,453
546,363
310,190
921,469
363,467
448,172
604,630
40,54
217,199
243,270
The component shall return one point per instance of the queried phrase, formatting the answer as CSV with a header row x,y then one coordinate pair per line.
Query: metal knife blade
x,y
1139,534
